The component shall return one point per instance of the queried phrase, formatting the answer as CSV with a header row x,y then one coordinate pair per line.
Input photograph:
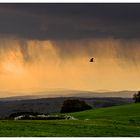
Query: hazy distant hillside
x,y
53,105
70,93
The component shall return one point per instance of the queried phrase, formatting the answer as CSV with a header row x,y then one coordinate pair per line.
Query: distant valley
x,y
44,103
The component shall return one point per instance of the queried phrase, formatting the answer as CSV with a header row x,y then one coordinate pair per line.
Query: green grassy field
x,y
112,121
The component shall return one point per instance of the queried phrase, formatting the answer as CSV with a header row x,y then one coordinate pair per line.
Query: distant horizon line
x,y
65,89
53,90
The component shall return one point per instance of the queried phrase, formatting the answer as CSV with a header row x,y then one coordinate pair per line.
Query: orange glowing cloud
x,y
33,64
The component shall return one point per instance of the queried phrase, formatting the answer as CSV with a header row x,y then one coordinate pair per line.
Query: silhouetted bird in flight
x,y
91,60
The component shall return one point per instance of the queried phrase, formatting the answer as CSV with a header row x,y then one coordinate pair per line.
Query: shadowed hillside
x,y
53,105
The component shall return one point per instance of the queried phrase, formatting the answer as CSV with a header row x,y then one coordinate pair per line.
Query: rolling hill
x,y
127,112
53,105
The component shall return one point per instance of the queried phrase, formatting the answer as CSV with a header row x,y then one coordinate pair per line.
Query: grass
x,y
119,113
111,121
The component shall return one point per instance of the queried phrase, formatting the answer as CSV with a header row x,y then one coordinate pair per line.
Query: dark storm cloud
x,y
70,21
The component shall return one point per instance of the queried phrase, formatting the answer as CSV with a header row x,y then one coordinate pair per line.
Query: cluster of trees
x,y
74,106
136,97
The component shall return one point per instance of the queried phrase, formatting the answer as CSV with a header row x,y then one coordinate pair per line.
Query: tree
x,y
74,106
136,97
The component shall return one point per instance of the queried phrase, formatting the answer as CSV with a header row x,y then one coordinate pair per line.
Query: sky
x,y
48,46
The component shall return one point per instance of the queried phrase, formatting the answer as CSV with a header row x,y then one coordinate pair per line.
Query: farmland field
x,y
114,121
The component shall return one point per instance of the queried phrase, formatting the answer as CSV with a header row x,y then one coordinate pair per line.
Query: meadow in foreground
x,y
115,121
